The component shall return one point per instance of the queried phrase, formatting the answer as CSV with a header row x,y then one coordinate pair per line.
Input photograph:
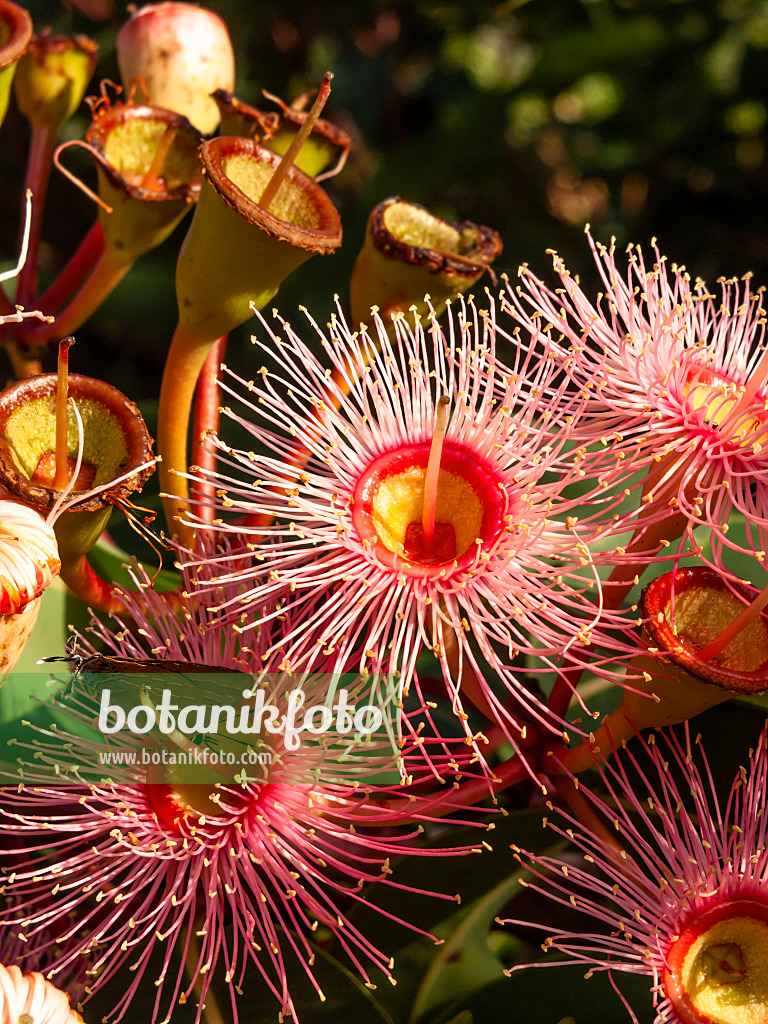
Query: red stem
x,y
466,794
41,146
80,265
563,689
584,811
206,418
105,277
616,728
6,309
86,584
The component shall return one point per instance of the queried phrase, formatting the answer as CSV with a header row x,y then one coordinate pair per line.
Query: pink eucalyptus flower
x,y
342,474
150,858
30,998
677,881
672,373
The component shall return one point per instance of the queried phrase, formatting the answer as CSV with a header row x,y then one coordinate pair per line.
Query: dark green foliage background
x,y
643,118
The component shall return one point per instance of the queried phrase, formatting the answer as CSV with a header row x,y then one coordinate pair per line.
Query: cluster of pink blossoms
x,y
477,494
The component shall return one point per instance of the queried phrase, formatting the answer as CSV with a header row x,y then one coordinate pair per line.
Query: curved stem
x,y
71,277
207,419
466,677
104,278
465,794
186,358
41,146
210,1008
585,812
615,729
85,583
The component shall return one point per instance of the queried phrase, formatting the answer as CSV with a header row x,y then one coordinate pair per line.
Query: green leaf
x,y
465,962
29,682
471,876
543,995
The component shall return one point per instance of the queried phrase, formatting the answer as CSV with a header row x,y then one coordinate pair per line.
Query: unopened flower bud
x,y
408,253
29,560
52,77
15,33
180,54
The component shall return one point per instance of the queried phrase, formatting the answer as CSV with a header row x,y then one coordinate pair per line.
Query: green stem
x,y
186,358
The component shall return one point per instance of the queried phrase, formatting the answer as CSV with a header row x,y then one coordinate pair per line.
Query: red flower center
x,y
388,508
717,969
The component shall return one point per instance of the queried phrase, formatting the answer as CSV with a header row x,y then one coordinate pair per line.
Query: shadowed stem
x,y
104,278
80,265
564,688
41,146
567,787
207,419
24,365
463,794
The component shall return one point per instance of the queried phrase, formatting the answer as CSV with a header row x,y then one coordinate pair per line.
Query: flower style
x,y
431,506
29,997
683,899
676,375
153,857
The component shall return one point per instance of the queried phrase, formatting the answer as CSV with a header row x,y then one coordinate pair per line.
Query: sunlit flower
x,y
30,999
421,495
684,898
29,561
674,373
29,558
238,872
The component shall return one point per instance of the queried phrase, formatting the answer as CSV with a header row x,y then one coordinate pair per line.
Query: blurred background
x,y
641,118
